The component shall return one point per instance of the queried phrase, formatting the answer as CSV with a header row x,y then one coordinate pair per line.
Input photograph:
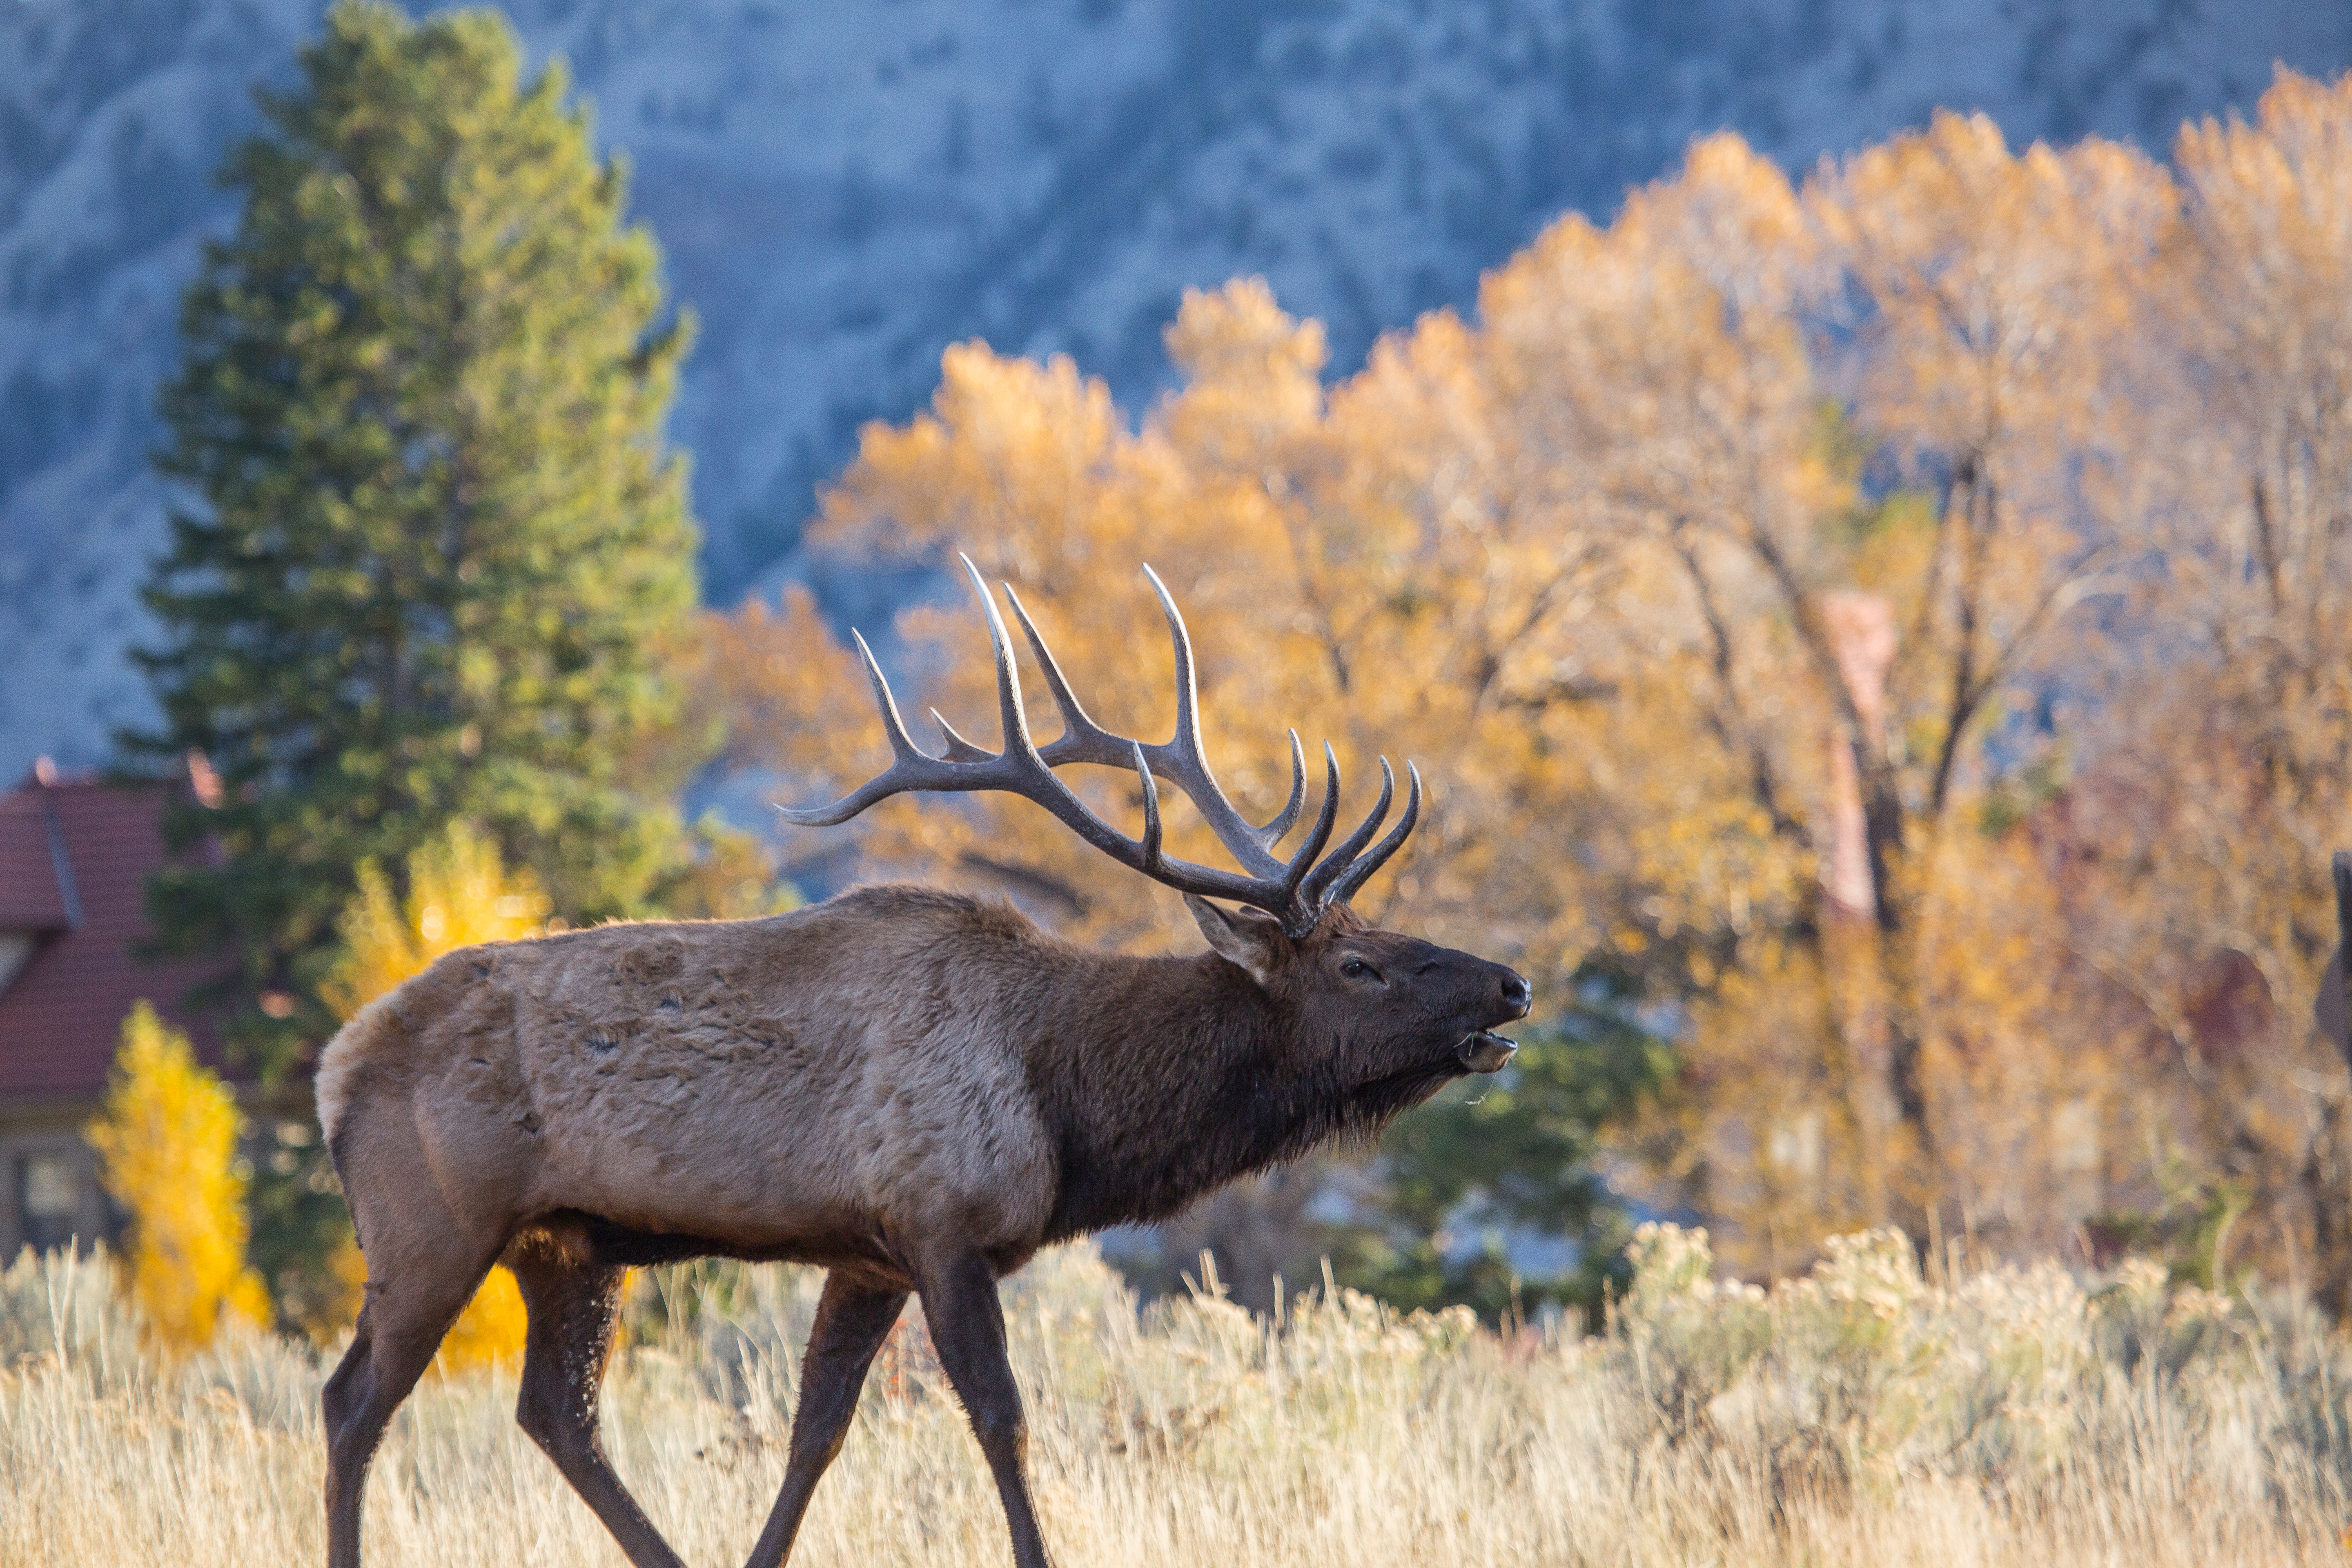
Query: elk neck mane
x,y
1161,1079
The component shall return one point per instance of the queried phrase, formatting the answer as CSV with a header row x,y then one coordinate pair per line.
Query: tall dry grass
x,y
1860,1416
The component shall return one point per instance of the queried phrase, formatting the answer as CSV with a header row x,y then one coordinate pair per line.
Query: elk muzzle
x,y
1487,1051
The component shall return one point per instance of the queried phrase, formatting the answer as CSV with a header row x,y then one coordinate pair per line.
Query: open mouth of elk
x,y
1485,1051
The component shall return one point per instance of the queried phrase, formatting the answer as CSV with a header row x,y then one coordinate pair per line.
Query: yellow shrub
x,y
489,1331
460,892
166,1137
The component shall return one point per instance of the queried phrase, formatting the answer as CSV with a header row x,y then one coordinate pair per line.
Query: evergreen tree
x,y
442,545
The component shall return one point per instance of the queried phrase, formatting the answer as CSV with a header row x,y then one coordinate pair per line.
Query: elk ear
x,y
1244,936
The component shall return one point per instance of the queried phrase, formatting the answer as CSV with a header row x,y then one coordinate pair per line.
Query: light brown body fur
x,y
800,1086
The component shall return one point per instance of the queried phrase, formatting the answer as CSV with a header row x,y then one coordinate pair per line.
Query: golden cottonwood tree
x,y
1658,373
2000,289
1649,380
1584,550
166,1143
459,893
1987,282
2226,753
1774,578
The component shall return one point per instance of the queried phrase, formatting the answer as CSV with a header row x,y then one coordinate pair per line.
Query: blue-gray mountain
x,y
843,189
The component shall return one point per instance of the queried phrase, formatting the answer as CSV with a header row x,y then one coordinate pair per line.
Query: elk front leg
x,y
574,1311
967,1324
852,1321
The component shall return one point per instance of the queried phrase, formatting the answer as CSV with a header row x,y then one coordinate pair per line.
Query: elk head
x,y
1381,1019
1395,1016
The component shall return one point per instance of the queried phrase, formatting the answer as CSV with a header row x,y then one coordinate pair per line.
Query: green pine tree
x,y
442,543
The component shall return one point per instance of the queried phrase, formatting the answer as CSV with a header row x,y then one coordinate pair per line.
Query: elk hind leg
x,y
575,1309
967,1324
408,1311
852,1321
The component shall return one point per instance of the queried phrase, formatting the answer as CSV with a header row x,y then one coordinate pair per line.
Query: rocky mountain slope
x,y
843,189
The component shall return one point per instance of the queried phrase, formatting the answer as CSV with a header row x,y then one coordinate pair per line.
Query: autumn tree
x,y
1302,595
2224,775
458,893
1653,428
436,546
166,1143
1994,288
1881,624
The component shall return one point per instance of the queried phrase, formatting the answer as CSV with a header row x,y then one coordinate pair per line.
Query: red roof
x,y
30,896
74,859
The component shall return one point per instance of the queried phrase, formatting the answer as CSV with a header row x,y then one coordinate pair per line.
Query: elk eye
x,y
1355,968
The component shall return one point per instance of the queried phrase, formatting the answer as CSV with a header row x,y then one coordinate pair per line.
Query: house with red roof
x,y
75,854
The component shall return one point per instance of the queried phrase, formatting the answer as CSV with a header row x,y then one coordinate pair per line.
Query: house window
x,y
52,1200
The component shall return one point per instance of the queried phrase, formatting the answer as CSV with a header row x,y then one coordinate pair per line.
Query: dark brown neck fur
x,y
1163,1079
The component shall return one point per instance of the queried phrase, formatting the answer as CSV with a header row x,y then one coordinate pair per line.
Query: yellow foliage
x,y
460,893
490,1331
166,1137
1600,557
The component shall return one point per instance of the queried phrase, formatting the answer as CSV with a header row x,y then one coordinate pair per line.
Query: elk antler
x,y
1295,891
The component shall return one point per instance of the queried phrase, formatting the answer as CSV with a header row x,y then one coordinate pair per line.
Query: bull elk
x,y
910,1089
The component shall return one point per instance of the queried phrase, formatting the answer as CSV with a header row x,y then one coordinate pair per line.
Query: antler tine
x,y
910,767
959,748
1354,877
902,745
1082,740
1151,842
1187,694
1311,891
1184,762
1299,914
1271,834
1011,712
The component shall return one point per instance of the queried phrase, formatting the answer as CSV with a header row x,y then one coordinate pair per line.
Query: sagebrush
x,y
1860,1415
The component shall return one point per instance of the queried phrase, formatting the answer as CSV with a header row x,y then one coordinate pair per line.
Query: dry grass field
x,y
1863,1415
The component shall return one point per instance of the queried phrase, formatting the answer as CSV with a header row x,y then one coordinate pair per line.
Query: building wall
x,y
49,1191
